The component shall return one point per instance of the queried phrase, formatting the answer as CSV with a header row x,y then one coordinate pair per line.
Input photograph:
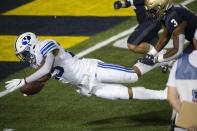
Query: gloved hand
x,y
117,5
12,85
149,59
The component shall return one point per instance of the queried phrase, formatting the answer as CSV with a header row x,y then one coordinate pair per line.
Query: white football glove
x,y
12,85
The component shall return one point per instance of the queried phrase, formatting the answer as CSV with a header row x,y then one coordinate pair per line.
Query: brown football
x,y
32,88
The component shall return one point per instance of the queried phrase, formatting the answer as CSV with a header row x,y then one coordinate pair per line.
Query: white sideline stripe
x,y
106,42
187,2
113,38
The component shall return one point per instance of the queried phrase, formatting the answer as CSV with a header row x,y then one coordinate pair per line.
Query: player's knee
x,y
132,47
104,95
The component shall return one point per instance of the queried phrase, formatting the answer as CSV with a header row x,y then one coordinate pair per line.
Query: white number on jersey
x,y
174,22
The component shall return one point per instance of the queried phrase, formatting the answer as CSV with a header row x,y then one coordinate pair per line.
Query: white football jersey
x,y
67,68
89,76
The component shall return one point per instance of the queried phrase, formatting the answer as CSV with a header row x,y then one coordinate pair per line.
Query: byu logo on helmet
x,y
26,40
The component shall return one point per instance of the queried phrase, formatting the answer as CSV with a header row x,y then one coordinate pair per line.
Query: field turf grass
x,y
59,108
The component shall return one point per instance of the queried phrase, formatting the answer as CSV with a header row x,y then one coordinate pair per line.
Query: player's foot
x,y
167,66
164,68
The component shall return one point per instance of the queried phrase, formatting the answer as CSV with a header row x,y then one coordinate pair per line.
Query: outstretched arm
x,y
43,70
41,75
163,40
178,43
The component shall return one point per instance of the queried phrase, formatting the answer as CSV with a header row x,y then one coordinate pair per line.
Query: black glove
x,y
149,59
139,60
117,5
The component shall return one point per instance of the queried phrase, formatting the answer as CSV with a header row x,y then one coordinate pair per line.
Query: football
x,y
32,88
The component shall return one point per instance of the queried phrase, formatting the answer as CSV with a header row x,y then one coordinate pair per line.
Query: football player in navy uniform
x,y
178,22
145,35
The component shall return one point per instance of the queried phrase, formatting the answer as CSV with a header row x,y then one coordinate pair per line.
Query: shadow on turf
x,y
153,118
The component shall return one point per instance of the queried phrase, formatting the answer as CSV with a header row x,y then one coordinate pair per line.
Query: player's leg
x,y
143,39
142,48
141,68
142,93
110,73
118,91
111,91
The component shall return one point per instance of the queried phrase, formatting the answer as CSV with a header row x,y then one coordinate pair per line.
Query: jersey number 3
x,y
174,22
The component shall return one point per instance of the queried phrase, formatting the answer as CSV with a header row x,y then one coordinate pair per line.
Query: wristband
x,y
160,58
153,51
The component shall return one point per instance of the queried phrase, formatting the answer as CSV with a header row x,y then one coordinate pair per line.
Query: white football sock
x,y
152,51
142,93
150,48
144,68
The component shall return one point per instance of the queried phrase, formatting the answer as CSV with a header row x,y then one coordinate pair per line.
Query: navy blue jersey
x,y
176,15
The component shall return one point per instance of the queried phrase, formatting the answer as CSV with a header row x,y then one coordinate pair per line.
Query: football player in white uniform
x,y
89,76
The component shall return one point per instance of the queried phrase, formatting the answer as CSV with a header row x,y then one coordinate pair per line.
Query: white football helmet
x,y
158,8
25,46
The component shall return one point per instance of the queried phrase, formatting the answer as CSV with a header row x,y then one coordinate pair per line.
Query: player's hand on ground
x,y
117,5
149,59
14,84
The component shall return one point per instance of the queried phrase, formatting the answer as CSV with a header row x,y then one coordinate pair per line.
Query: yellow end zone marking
x,y
7,44
70,8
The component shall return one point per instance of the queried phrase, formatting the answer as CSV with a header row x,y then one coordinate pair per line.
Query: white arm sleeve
x,y
45,69
171,79
180,49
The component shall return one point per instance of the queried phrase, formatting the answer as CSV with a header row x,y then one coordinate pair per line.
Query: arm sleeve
x,y
180,50
45,69
171,79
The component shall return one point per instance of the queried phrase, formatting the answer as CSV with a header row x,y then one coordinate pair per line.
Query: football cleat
x,y
167,66
164,68
149,59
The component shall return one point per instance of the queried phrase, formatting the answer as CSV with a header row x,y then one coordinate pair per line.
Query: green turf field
x,y
58,107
